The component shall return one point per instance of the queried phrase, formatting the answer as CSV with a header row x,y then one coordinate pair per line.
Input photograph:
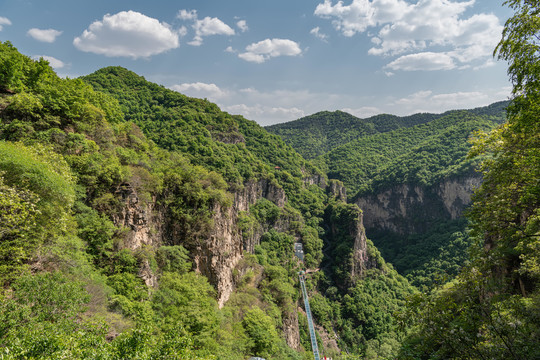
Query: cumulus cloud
x,y
4,21
242,25
48,35
129,34
426,61
207,26
318,34
54,62
200,90
263,50
187,14
402,28
264,113
363,112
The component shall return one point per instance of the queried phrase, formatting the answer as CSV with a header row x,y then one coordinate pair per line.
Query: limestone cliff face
x,y
217,256
141,219
337,190
255,190
217,253
145,225
409,208
291,330
360,258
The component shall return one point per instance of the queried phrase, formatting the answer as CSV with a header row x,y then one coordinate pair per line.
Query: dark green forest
x,y
139,223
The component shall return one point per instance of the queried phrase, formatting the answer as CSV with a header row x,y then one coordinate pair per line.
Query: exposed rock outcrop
x,y
219,251
143,222
217,256
345,223
406,208
337,190
255,190
360,258
291,331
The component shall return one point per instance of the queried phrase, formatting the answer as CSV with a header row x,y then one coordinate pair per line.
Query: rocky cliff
x,y
408,208
217,253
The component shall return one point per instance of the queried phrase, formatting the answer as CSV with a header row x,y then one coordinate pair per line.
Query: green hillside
x,y
419,154
110,195
319,133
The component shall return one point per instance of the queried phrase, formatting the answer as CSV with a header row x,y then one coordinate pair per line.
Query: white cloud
x,y
230,49
318,34
200,90
48,35
182,31
129,34
424,26
427,101
209,26
242,25
4,21
426,61
262,112
263,50
187,14
54,62
363,112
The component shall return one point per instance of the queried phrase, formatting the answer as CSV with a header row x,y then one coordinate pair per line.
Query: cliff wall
x,y
407,208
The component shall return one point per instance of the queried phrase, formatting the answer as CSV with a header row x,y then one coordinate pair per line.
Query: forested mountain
x,y
410,176
140,223
420,154
492,309
317,134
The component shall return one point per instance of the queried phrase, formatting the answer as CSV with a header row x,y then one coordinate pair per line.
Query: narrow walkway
x,y
309,318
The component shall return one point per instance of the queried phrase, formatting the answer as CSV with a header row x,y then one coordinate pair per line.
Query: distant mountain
x,y
317,134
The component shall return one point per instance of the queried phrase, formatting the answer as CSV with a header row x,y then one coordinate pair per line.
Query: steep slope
x,y
317,134
420,154
117,246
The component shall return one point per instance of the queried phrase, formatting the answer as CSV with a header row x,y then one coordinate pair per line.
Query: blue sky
x,y
276,61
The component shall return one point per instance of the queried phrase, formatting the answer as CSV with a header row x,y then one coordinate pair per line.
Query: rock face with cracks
x,y
217,254
406,208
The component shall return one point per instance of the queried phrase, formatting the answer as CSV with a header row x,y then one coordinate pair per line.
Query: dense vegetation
x,y
74,285
492,309
73,157
421,154
318,134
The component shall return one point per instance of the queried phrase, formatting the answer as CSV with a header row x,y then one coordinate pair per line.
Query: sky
x,y
279,60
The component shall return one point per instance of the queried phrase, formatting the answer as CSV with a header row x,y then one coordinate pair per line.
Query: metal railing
x,y
309,318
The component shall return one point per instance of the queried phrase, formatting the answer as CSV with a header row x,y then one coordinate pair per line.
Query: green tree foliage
x,y
421,154
492,311
37,191
19,211
261,331
236,148
78,163
427,259
187,300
